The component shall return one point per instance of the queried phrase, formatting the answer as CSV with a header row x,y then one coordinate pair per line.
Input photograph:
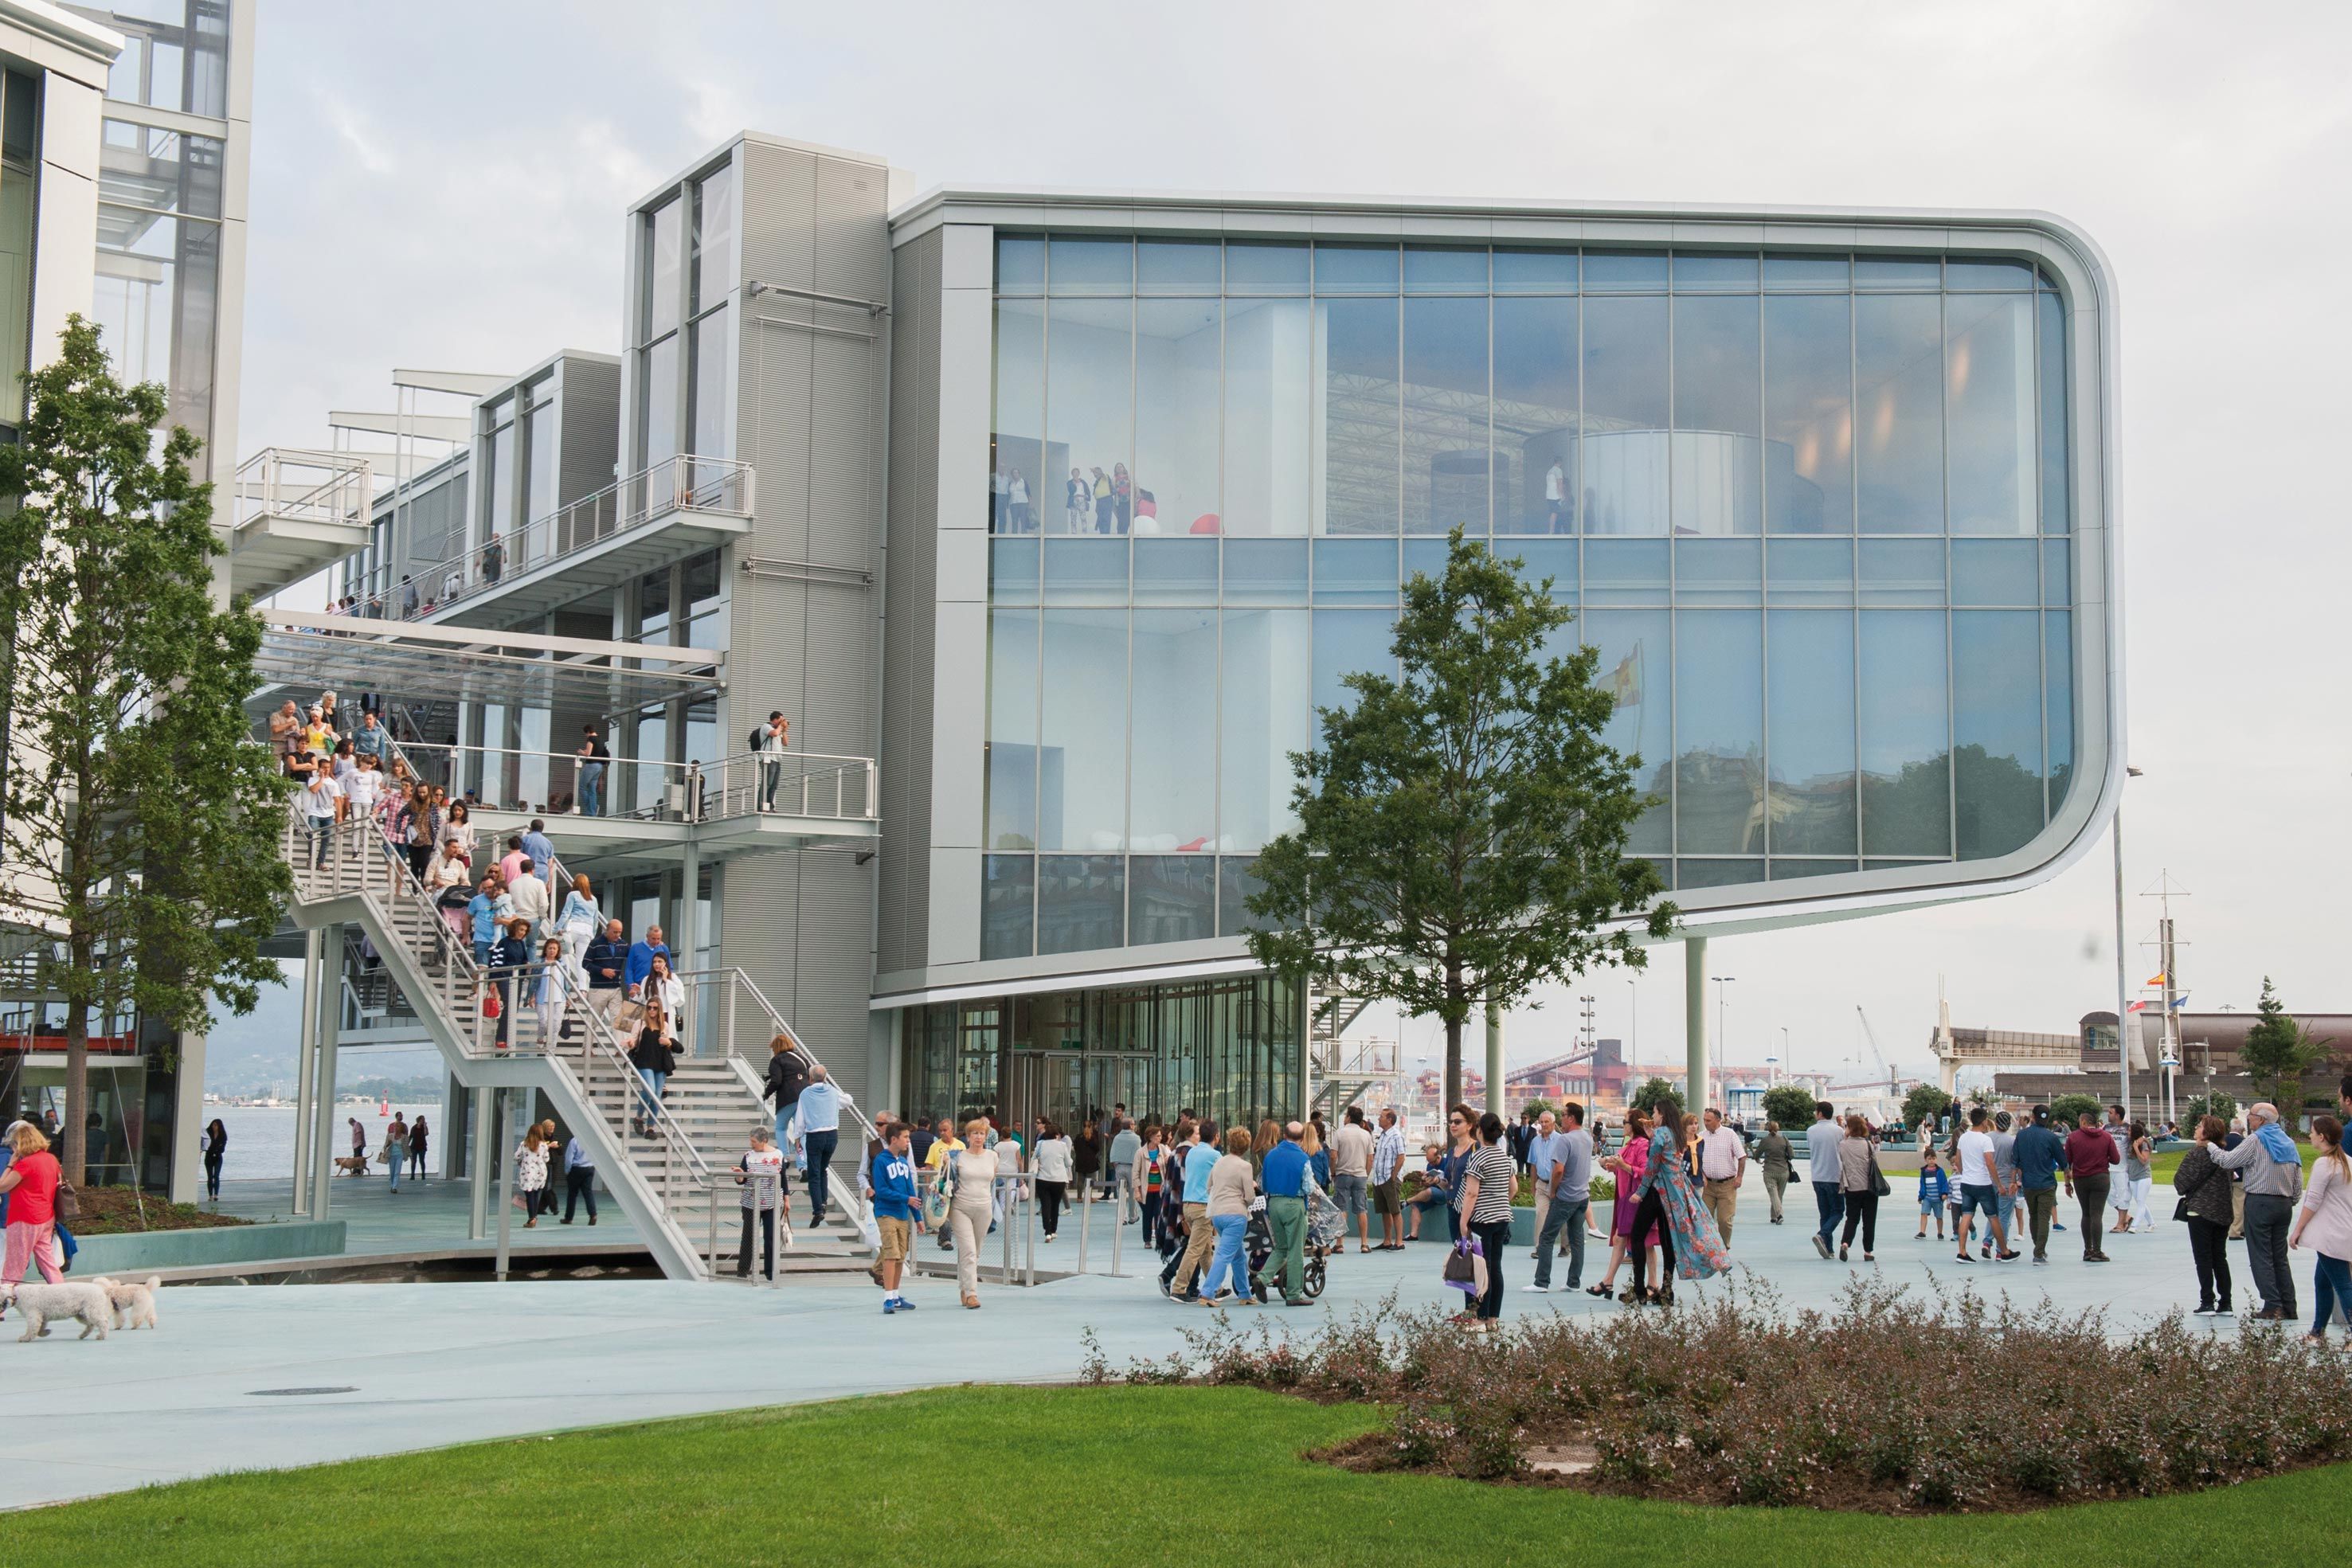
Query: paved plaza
x,y
419,1366
428,1216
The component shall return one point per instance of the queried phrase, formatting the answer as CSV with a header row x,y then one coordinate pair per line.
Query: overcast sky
x,y
442,186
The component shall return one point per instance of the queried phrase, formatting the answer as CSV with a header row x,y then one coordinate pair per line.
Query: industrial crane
x,y
1885,1074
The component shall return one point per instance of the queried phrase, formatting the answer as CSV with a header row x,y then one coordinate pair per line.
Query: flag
x,y
1625,680
2159,979
2180,1001
2136,1007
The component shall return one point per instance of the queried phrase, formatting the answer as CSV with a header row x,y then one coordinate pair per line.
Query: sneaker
x,y
1820,1246
2202,1310
1537,1290
1964,1257
889,1307
2010,1256
1986,1249
906,1306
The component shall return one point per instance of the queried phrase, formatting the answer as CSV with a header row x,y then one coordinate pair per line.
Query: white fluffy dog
x,y
41,1303
134,1300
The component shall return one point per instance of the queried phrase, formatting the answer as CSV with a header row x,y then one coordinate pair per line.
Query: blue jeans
x,y
1832,1204
2331,1287
652,1093
783,1120
592,788
1565,1214
1226,1264
819,1148
392,1165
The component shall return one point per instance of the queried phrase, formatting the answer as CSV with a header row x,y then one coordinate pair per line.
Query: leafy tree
x,y
1536,1108
2217,1104
2277,1054
1790,1104
1924,1105
1657,1092
2068,1109
1461,829
140,827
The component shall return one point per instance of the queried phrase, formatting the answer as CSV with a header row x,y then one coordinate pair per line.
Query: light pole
x,y
1784,1049
1722,1039
2123,974
1632,1030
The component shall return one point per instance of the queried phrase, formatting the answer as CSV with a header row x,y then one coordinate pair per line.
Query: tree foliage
x,y
140,825
1924,1105
1790,1104
1461,828
2068,1109
2220,1102
1654,1093
2277,1054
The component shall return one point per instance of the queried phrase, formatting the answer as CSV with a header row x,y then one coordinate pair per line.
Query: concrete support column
x,y
1495,1057
505,1100
306,1066
1695,1060
328,1017
478,1167
682,937
186,1183
448,1140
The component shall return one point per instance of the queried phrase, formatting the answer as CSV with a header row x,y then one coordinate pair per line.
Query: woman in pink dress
x,y
1625,1166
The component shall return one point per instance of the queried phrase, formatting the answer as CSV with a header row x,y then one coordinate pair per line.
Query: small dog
x,y
352,1164
41,1303
134,1300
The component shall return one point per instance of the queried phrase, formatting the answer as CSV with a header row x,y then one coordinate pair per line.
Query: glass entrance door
x,y
1069,1088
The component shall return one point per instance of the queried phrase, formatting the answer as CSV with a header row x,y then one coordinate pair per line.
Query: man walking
x,y
895,1217
1821,1156
2273,1169
1777,1155
607,962
1200,1237
2040,1154
2118,1128
2004,1175
2091,1155
1387,1182
641,957
1722,1166
1979,1186
1284,1178
1351,1175
542,851
1566,1178
578,1179
820,1117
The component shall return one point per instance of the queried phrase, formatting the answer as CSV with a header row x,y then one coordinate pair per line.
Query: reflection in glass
x,y
1179,266
1444,269
1698,873
1020,264
1082,767
1086,571
1171,898
713,388
1254,268
1265,571
1534,415
2058,723
1718,732
1808,272
1988,411
1348,641
1794,870
1896,272
1342,268
1358,408
658,310
1010,803
714,238
1624,269
1702,271
1902,572
1626,571
1718,571
1355,571
1626,414
1176,365
1267,407
1523,271
1637,668
1013,571
1081,902
1903,735
1086,264
1446,468
1088,388
1018,421
2057,495
1898,352
1262,718
1717,460
1008,902
1236,880
657,417
1173,775
1996,573
1995,731
1810,674
1809,413
1809,572
1176,571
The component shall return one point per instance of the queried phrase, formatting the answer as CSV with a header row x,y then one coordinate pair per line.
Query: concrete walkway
x,y
411,1366
425,1217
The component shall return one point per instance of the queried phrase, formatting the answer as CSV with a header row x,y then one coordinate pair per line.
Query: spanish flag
x,y
2157,980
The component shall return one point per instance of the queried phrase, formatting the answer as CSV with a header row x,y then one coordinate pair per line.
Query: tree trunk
x,y
1453,1039
76,1153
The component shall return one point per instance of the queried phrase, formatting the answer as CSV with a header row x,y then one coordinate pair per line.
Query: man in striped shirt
x,y
1387,1182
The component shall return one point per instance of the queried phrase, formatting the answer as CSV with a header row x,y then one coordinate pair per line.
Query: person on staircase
x,y
641,958
759,1172
788,1074
607,959
665,988
510,966
577,923
528,891
819,1115
560,981
653,1061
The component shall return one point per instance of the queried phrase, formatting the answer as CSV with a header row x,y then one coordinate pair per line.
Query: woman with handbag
x,y
653,1061
1487,1210
1626,1168
968,1185
420,1138
1673,1206
530,1174
2204,1189
1861,1185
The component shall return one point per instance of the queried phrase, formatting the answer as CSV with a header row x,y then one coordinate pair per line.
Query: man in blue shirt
x,y
369,739
641,958
482,908
892,1176
1200,1236
578,1179
1284,1178
542,851
818,1110
2041,1156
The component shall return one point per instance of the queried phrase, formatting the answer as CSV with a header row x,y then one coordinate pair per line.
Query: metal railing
x,y
681,484
302,487
789,783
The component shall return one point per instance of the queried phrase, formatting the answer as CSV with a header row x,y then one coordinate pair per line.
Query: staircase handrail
x,y
779,1024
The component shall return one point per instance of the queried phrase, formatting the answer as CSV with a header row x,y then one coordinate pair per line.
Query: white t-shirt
x,y
1555,484
319,796
1976,1159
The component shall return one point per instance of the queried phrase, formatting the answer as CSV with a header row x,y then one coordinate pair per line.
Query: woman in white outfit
x,y
1053,1165
971,1179
560,979
578,921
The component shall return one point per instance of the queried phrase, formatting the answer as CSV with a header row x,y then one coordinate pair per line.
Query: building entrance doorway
x,y
1071,1087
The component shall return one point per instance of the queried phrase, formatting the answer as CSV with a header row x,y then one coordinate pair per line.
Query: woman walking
x,y
419,1138
2324,1225
1858,1185
530,1174
553,990
1149,1179
2138,1154
1087,1158
1673,1207
2204,1189
1627,1167
578,921
665,993
969,1180
1232,1186
215,1152
1051,1164
655,1061
1487,1207
29,1186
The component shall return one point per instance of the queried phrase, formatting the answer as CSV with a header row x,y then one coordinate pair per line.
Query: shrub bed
x,y
1897,1403
118,1210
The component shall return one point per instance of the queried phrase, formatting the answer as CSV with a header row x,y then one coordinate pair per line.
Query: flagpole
x,y
2123,975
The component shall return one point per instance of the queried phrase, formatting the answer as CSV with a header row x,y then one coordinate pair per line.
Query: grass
x,y
2161,1168
1045,1476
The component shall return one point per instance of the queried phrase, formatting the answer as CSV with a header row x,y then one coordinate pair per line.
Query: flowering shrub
x,y
1895,1402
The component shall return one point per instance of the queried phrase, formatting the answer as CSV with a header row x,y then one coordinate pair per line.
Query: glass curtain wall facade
x,y
20,163
682,340
1225,1048
1812,509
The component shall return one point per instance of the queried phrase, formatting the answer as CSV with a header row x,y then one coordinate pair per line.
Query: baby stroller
x,y
1258,1244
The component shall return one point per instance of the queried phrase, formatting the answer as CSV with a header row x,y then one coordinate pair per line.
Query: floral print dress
x,y
1699,1252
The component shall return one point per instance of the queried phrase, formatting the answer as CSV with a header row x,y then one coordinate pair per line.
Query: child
x,y
1934,1191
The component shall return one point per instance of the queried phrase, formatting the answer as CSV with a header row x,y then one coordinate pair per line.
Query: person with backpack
x,y
768,742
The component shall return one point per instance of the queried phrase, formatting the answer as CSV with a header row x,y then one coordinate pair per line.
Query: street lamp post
x,y
2122,972
1722,1039
1632,1029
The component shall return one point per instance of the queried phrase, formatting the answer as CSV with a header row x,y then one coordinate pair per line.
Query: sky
x,y
443,186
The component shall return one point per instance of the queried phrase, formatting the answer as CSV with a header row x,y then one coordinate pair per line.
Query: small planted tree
x,y
1461,828
1790,1104
1655,1095
2277,1054
2068,1109
2216,1104
1924,1105
140,825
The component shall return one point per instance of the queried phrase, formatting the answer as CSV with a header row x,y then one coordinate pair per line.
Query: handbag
x,y
1464,1262
492,1006
1879,1185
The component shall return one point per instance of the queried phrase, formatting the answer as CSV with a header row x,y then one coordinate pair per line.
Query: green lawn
x,y
2163,1165
1045,1476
